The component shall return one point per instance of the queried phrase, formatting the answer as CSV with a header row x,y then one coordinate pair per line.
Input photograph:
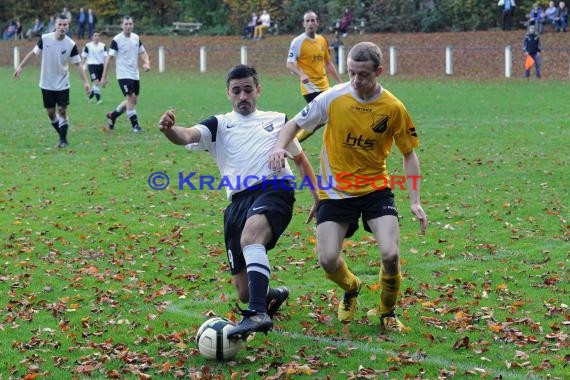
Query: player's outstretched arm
x,y
413,176
177,134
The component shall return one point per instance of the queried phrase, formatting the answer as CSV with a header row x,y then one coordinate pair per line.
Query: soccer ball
x,y
212,340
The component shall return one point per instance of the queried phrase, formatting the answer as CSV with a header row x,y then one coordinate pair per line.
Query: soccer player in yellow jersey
x,y
363,121
310,60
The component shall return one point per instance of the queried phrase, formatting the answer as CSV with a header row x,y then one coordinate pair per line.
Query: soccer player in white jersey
x,y
57,50
95,53
126,47
261,202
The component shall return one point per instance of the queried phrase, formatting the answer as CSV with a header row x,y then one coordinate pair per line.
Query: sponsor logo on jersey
x,y
361,109
379,123
358,142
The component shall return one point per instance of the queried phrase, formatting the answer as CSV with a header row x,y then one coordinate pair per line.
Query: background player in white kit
x,y
126,47
260,210
57,50
95,53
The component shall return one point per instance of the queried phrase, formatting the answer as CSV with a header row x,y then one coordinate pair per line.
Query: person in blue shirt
x,y
507,10
82,23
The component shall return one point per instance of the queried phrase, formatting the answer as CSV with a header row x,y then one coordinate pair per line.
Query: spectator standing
x,y
260,211
95,53
250,27
81,23
561,17
91,22
126,47
364,120
67,14
19,35
336,46
57,50
310,60
532,48
507,8
51,24
264,24
35,30
344,23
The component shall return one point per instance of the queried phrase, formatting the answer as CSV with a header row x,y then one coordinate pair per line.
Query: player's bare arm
x,y
105,75
331,69
298,71
83,77
177,134
22,64
146,61
279,154
413,175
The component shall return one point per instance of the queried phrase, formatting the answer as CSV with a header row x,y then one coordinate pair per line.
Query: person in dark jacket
x,y
507,8
532,48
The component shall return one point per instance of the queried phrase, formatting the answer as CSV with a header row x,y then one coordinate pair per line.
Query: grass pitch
x,y
104,277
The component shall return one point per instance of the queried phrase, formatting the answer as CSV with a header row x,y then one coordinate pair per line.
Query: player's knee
x,y
329,262
390,256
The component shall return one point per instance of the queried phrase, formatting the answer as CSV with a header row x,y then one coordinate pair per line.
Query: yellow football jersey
x,y
311,56
357,139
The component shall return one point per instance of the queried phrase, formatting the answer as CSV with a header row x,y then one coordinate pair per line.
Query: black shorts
x,y
129,86
95,72
309,97
275,203
347,211
53,98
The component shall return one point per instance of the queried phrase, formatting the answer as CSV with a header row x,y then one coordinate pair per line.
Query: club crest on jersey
x,y
268,127
379,123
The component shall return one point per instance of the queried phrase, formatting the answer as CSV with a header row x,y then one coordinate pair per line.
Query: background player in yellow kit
x,y
310,60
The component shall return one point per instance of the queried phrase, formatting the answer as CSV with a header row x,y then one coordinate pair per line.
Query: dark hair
x,y
62,16
240,72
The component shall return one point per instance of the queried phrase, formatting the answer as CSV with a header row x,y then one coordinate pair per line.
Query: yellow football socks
x,y
344,278
389,291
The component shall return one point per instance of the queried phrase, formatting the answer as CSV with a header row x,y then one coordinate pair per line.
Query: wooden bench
x,y
110,29
185,27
